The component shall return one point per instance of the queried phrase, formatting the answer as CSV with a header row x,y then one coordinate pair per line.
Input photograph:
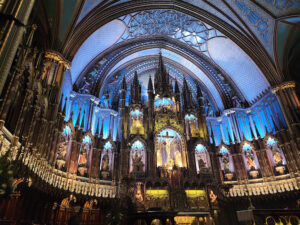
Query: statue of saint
x,y
137,126
63,150
83,156
226,163
137,163
178,159
105,162
277,156
201,162
193,128
250,160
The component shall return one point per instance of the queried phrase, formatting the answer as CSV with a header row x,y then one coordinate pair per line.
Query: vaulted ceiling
x,y
232,47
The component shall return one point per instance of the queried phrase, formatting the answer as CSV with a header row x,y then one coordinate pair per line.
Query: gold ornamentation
x,y
285,85
57,57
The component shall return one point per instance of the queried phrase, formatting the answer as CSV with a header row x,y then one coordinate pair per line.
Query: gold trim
x,y
285,85
49,54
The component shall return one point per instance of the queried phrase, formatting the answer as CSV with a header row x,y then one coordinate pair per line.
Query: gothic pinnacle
x,y
150,85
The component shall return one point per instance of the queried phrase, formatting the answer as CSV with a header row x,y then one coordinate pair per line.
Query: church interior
x,y
150,112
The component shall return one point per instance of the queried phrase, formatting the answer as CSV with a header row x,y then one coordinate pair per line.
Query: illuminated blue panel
x,y
106,128
190,117
100,40
87,140
137,145
136,112
200,148
271,141
240,67
246,147
67,130
223,150
107,145
163,102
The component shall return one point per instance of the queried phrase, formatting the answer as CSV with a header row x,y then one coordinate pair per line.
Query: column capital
x,y
284,85
57,57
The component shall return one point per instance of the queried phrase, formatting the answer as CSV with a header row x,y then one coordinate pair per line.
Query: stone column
x,y
14,30
289,103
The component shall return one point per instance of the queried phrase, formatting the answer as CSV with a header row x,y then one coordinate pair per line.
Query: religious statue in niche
x,y
139,193
249,156
201,162
136,127
213,198
169,151
194,128
137,157
82,161
137,164
225,161
63,147
276,155
105,162
250,160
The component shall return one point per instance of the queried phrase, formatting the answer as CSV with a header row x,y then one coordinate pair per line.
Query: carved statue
x,y
63,150
212,196
250,160
137,163
226,163
83,156
138,193
277,156
137,126
194,130
201,162
105,162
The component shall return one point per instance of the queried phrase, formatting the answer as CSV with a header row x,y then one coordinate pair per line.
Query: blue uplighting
x,y
271,141
67,130
86,140
200,148
223,150
163,102
189,117
107,145
137,145
246,147
136,112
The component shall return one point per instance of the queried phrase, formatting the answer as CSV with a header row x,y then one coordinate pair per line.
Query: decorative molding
x,y
265,188
57,57
285,85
